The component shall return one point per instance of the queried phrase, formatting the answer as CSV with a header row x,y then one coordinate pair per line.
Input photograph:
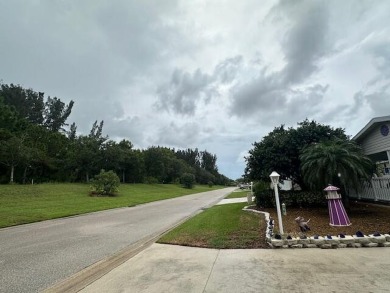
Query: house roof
x,y
373,122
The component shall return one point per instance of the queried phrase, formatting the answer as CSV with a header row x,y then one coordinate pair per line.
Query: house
x,y
375,141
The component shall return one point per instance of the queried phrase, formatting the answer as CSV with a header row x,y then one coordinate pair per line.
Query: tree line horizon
x,y
34,145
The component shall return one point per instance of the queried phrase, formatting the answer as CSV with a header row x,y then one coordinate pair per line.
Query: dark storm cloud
x,y
184,91
85,51
304,43
259,95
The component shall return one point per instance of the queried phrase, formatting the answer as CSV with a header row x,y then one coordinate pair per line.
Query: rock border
x,y
323,242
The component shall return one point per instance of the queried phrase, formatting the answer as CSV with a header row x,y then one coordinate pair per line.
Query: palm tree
x,y
339,162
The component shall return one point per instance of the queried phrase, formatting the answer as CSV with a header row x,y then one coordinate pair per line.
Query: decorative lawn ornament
x,y
338,215
303,225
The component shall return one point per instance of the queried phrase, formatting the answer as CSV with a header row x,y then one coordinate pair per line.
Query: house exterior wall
x,y
375,142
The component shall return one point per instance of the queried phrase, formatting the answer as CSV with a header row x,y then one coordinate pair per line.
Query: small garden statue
x,y
303,225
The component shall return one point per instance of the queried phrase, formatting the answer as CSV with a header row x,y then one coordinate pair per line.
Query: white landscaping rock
x,y
318,241
297,246
362,240
377,239
333,241
370,244
304,241
347,240
277,242
326,246
292,241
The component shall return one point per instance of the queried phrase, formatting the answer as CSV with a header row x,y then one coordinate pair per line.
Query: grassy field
x,y
222,226
20,204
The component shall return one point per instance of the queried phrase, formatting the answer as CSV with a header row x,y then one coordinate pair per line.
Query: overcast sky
x,y
216,75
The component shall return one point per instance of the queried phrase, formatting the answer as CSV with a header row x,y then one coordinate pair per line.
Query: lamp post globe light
x,y
275,180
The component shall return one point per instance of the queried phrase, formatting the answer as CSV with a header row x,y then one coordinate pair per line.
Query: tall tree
x,y
30,106
209,162
12,153
56,113
280,150
87,153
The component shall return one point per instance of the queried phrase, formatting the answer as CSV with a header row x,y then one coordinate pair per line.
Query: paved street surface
x,y
36,256
168,268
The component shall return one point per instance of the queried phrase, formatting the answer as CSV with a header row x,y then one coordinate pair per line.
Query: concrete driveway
x,y
36,256
168,268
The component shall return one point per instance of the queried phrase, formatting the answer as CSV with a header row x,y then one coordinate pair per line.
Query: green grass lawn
x,y
222,226
238,193
20,204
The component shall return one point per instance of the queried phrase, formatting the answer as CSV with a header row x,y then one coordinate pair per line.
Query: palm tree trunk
x,y
345,197
12,174
24,175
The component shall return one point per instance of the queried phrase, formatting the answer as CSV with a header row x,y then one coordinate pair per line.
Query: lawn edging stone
x,y
325,242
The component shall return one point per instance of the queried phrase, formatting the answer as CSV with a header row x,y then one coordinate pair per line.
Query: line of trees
x,y
35,145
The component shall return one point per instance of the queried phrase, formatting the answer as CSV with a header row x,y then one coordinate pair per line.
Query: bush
x,y
210,184
106,183
302,198
187,180
151,180
265,197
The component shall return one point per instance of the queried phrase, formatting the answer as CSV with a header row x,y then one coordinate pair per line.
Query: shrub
x,y
210,184
105,183
265,197
151,180
187,180
302,198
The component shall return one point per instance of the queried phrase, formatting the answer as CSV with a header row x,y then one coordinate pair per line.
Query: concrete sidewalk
x,y
233,200
168,268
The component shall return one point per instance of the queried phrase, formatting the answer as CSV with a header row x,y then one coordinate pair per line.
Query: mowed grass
x,y
222,227
21,204
239,193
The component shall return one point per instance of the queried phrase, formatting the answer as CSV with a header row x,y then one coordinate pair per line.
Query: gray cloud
x,y
182,136
242,67
303,44
184,92
306,42
227,70
260,95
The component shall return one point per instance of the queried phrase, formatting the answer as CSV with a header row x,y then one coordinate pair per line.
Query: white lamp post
x,y
275,180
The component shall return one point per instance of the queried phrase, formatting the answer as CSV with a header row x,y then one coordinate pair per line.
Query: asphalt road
x,y
35,256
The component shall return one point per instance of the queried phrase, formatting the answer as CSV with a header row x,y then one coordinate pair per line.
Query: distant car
x,y
244,186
